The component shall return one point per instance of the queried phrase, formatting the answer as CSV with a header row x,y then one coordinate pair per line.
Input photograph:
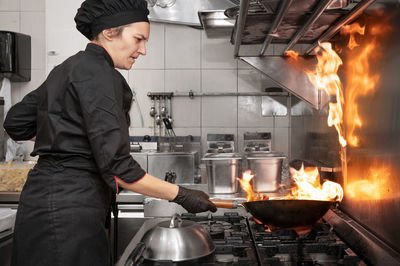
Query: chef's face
x,y
127,46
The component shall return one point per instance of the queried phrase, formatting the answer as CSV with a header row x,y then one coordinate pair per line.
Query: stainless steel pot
x,y
267,170
223,169
177,240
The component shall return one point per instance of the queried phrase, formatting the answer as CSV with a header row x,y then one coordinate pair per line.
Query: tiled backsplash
x,y
28,17
179,59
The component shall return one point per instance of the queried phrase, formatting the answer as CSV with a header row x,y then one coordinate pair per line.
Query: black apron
x,y
62,215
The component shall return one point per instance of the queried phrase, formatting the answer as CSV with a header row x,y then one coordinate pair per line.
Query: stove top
x,y
242,241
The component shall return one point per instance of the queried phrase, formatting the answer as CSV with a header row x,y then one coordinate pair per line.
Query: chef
x,y
79,118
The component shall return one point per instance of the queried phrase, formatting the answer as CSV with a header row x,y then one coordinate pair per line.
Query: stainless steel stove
x,y
240,240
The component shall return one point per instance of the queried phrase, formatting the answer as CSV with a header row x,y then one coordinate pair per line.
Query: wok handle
x,y
226,204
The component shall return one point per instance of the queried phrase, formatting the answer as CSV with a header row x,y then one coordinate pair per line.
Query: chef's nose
x,y
142,49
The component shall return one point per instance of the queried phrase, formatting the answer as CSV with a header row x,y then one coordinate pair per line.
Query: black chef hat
x,y
96,15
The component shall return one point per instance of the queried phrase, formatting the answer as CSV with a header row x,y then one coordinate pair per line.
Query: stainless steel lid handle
x,y
176,216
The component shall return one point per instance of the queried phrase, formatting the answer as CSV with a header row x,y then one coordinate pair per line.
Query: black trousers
x,y
61,216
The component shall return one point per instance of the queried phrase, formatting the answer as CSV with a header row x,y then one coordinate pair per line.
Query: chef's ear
x,y
108,34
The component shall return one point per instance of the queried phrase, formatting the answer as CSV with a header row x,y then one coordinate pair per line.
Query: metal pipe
x,y
314,16
283,8
241,19
192,95
357,10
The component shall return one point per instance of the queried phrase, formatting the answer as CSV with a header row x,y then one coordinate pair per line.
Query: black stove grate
x,y
240,241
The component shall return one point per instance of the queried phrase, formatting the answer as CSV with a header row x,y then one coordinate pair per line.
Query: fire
x,y
292,54
245,183
372,187
360,80
246,186
352,30
308,186
325,77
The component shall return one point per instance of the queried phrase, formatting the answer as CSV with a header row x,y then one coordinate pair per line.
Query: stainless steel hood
x,y
287,26
185,12
259,23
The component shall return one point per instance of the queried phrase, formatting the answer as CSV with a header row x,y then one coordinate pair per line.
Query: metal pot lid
x,y
177,240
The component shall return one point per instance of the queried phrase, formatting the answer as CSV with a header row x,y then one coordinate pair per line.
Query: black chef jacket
x,y
81,110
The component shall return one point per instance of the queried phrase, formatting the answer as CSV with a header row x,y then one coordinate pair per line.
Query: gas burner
x,y
240,241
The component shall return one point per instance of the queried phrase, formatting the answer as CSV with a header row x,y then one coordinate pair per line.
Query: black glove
x,y
194,201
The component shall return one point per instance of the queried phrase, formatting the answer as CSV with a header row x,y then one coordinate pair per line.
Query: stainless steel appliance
x,y
267,170
257,141
183,165
220,143
223,170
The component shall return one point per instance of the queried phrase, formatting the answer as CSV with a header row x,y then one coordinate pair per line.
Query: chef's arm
x,y
153,187
192,200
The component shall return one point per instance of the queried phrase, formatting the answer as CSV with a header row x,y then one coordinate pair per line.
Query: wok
x,y
282,212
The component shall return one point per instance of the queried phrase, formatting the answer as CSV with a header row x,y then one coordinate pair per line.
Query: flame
x,y
308,186
352,30
361,81
246,186
373,187
245,183
325,77
292,54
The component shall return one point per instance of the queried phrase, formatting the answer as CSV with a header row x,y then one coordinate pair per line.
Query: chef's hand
x,y
194,201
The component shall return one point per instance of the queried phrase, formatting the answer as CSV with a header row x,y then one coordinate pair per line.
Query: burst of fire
x,y
360,80
292,54
352,30
245,183
308,186
372,187
325,77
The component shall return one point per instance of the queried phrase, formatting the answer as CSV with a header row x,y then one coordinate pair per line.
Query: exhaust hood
x,y
186,12
259,23
283,23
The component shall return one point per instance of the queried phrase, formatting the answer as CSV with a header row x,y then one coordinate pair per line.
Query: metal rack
x,y
337,18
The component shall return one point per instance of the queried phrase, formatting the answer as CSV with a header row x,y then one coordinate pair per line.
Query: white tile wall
x,y
217,53
219,112
182,47
33,24
186,112
183,80
9,21
31,5
221,80
20,89
9,5
142,82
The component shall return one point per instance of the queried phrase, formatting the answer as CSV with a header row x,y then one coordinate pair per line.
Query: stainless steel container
x,y
267,170
183,164
223,169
